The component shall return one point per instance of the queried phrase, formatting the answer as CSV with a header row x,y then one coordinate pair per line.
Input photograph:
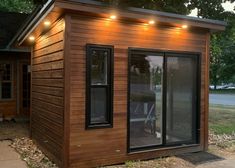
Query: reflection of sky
x,y
155,61
173,63
227,6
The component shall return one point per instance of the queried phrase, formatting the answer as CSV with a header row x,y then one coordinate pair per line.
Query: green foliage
x,y
210,9
173,6
223,91
222,60
129,164
21,6
222,44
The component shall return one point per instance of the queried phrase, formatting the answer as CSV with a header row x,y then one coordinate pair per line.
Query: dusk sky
x,y
227,6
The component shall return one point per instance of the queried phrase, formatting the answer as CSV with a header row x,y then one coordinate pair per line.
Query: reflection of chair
x,y
151,120
143,110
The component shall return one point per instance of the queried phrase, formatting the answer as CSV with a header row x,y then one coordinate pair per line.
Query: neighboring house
x,y
111,85
14,69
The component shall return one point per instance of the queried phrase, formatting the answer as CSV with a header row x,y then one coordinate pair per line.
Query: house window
x,y
99,86
5,81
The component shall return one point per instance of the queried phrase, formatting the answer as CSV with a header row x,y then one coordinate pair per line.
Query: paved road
x,y
222,99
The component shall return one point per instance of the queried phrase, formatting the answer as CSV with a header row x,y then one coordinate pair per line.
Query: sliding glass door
x,y
181,98
163,99
146,79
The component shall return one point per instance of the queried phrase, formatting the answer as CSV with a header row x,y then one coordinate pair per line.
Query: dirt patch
x,y
168,162
10,130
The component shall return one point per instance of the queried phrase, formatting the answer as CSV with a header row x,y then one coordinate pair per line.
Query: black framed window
x,y
99,86
5,81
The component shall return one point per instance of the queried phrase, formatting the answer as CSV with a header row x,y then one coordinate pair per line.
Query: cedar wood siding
x,y
9,107
89,148
47,119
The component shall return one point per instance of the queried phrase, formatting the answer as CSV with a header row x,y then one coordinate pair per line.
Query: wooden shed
x,y
111,85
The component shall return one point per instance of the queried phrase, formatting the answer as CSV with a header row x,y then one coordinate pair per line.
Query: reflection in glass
x,y
181,99
146,76
98,105
99,67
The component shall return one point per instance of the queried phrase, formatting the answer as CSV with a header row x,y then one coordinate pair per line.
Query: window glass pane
x,y
146,78
181,99
26,86
6,75
98,106
99,66
6,90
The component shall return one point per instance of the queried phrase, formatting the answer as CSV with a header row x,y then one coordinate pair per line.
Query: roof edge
x,y
155,12
23,26
45,9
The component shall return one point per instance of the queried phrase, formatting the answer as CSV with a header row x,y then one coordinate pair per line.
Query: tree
x,y
21,6
222,60
173,6
226,41
210,9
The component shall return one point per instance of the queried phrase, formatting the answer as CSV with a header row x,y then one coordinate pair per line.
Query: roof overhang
x,y
53,9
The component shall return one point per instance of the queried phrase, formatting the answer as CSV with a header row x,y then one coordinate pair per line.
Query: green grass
x,y
222,119
223,91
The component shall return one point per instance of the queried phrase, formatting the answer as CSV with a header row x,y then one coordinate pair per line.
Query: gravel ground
x,y
221,145
223,141
31,154
168,162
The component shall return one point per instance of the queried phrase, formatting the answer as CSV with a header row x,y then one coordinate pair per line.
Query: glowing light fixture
x,y
47,23
32,38
113,17
151,22
184,26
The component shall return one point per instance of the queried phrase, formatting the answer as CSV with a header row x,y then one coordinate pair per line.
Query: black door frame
x,y
196,114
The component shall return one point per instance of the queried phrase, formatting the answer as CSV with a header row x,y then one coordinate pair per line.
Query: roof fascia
x,y
45,10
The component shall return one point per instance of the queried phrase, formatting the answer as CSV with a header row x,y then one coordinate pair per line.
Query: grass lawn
x,y
223,91
222,119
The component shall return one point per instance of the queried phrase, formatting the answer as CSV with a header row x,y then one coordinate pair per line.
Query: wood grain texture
x,y
9,107
97,147
47,118
207,69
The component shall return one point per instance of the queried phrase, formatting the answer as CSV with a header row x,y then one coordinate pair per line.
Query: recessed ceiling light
x,y
113,17
31,38
184,26
47,23
151,22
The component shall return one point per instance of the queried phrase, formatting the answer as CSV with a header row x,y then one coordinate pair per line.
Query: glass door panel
x,y
181,98
145,104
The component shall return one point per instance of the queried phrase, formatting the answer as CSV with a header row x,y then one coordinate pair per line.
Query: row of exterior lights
x,y
46,24
150,22
112,17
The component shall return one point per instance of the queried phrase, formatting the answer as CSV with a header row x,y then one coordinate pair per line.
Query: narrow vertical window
x,y
99,86
5,81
